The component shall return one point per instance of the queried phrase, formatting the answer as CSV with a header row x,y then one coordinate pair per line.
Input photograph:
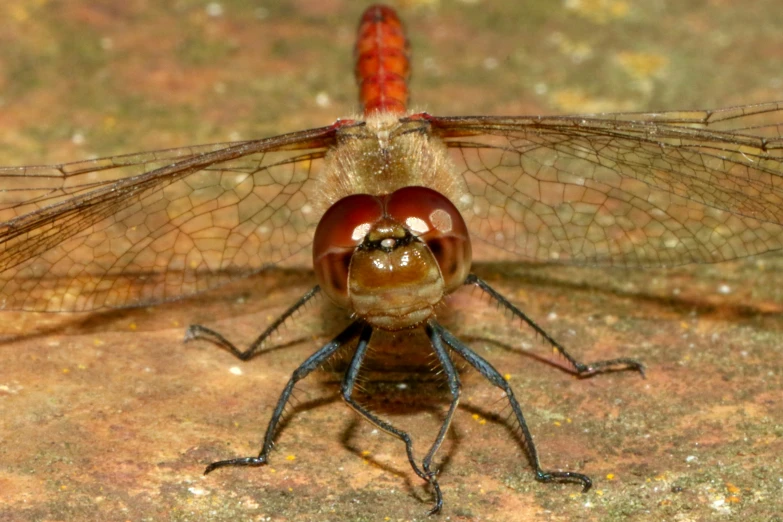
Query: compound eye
x,y
346,222
425,212
430,216
341,229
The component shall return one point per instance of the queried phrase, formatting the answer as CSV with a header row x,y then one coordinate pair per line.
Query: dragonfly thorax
x,y
385,153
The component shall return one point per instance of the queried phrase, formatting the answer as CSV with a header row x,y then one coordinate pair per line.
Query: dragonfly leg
x,y
196,331
312,363
581,369
349,383
454,388
494,377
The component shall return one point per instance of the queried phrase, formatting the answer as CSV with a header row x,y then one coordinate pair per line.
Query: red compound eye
x,y
341,229
430,216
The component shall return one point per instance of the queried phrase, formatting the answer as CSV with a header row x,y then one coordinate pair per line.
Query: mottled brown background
x,y
111,417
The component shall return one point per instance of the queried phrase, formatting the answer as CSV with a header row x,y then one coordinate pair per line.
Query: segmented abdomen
x,y
382,65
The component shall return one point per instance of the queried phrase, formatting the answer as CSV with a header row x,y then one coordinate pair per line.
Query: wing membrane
x,y
618,189
150,227
29,188
642,189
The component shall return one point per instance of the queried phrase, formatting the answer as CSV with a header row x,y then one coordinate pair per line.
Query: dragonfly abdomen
x,y
382,65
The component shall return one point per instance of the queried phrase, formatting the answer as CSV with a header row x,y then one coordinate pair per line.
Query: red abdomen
x,y
382,66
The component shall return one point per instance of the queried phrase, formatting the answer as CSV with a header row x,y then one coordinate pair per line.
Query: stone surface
x,y
110,416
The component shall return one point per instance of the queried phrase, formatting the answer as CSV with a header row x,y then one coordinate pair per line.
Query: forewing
x,y
146,228
624,189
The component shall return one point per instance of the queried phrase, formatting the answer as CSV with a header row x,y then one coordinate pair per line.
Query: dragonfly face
x,y
391,260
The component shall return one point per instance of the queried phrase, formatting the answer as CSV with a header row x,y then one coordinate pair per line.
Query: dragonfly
x,y
387,208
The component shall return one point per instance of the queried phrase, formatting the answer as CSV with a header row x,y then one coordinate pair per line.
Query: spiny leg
x,y
196,331
312,363
582,369
494,377
452,378
349,383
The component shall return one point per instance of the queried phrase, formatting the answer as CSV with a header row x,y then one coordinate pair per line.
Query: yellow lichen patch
x,y
576,51
18,12
413,4
577,101
643,66
734,491
599,11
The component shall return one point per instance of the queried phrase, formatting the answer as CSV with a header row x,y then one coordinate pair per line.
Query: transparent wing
x,y
624,189
145,228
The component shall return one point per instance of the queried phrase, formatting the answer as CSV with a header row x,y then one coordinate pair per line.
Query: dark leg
x,y
312,363
494,377
196,331
349,382
454,387
582,369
